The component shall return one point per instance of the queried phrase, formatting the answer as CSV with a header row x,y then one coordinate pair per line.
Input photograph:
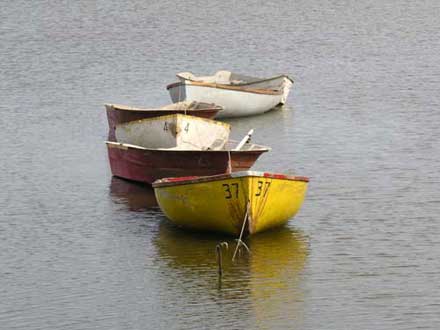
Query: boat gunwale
x,y
125,146
226,87
179,181
257,80
264,80
121,107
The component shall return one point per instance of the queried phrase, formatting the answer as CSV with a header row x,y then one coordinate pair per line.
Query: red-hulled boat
x,y
118,114
147,165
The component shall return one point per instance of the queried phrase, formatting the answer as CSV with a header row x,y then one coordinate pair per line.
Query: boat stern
x,y
287,86
177,91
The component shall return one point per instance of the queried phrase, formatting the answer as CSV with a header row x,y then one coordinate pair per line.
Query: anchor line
x,y
240,241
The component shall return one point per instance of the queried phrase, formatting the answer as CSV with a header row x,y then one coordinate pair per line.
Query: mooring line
x,y
239,241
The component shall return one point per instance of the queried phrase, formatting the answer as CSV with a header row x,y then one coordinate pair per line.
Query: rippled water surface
x,y
80,249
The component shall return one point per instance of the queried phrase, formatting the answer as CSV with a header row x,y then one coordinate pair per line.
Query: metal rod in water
x,y
218,250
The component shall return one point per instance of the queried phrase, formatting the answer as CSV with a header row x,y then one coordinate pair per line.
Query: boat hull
x,y
219,203
281,82
236,101
119,114
147,165
176,131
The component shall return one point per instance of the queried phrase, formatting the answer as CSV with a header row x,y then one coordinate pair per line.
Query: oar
x,y
244,140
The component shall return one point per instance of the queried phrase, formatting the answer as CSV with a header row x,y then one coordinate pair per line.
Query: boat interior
x,y
224,77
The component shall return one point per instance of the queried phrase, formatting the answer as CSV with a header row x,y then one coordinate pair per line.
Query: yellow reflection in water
x,y
267,282
276,263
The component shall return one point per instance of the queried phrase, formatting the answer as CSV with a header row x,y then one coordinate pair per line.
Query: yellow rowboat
x,y
222,202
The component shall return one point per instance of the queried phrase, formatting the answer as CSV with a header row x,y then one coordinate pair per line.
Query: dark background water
x,y
79,249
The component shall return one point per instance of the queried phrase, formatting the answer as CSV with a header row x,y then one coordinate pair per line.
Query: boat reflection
x,y
136,196
277,261
267,281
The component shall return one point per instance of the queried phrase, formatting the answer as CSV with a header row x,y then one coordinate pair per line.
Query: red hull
x,y
148,165
116,115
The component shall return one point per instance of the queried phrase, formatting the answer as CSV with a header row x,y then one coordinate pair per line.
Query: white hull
x,y
235,103
178,132
279,82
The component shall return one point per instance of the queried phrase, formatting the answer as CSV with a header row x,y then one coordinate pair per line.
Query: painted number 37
x,y
231,190
262,190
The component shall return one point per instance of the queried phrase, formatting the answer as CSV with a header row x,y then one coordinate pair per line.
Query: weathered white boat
x,y
283,82
118,113
177,131
239,95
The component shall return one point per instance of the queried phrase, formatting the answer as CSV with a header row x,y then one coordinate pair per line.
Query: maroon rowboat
x,y
147,165
119,114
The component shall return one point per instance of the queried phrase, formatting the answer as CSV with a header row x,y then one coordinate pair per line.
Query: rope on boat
x,y
229,162
240,241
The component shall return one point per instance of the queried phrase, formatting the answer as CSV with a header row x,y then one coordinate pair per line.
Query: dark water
x,y
80,250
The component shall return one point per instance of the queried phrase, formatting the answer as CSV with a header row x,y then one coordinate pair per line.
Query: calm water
x,y
80,250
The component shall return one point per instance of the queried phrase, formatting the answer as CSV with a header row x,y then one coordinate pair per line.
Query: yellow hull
x,y
219,203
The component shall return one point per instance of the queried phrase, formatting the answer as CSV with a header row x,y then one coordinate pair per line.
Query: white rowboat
x,y
177,132
238,95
